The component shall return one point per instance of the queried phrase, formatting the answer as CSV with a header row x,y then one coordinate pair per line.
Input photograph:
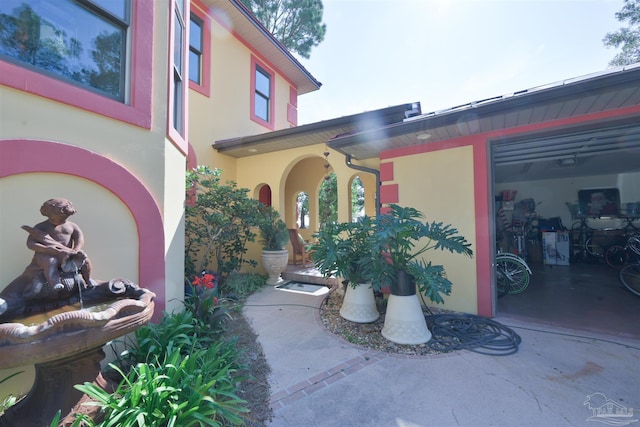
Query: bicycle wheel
x,y
630,277
616,256
513,274
593,249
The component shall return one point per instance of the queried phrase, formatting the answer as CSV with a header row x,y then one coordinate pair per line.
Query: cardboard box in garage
x,y
555,247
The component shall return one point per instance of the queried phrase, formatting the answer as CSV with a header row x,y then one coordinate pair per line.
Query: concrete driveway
x,y
319,379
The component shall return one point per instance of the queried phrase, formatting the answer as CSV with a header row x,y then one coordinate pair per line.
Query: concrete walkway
x,y
319,379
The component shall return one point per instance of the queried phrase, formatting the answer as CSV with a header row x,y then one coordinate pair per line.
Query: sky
x,y
445,53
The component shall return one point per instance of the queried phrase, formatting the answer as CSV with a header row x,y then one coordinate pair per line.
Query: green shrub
x,y
9,400
220,219
241,285
179,372
181,330
176,390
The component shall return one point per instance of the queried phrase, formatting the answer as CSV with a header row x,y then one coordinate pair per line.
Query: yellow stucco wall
x,y
147,154
440,185
26,116
226,113
110,231
173,209
288,172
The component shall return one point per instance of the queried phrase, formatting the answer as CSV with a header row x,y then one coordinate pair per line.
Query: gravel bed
x,y
368,335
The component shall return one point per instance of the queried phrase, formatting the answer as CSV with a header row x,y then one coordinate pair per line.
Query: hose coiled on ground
x,y
470,332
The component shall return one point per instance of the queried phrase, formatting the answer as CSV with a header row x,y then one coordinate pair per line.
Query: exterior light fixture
x,y
567,161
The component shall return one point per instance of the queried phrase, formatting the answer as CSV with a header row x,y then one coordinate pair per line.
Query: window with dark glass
x,y
178,68
81,41
262,94
195,50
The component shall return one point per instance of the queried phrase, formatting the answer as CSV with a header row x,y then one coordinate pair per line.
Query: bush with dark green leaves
x,y
178,372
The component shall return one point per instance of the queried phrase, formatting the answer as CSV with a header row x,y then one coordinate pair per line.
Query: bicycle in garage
x,y
512,274
630,273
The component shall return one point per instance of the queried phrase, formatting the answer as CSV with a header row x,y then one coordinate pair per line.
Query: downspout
x,y
376,172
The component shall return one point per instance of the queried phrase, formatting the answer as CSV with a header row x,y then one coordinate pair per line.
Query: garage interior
x,y
548,174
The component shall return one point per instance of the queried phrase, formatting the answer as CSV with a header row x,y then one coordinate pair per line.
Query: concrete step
x,y
307,275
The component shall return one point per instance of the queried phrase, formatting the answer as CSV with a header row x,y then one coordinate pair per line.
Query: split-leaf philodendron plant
x,y
401,238
344,250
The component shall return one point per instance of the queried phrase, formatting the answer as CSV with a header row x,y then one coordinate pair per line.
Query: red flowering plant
x,y
201,299
205,281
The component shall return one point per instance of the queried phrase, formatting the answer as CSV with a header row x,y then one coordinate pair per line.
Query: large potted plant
x,y
344,250
273,235
400,240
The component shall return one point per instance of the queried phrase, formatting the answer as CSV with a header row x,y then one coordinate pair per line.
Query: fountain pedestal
x,y
66,350
53,389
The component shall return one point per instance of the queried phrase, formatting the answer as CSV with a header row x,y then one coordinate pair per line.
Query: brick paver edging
x,y
319,381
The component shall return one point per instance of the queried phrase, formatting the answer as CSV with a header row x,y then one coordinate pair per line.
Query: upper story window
x,y
200,49
262,85
83,42
178,94
263,94
195,50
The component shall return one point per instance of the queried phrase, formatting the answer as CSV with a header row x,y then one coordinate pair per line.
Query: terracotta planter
x,y
275,262
359,304
404,321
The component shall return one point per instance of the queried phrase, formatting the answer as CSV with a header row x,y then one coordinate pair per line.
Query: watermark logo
x,y
608,411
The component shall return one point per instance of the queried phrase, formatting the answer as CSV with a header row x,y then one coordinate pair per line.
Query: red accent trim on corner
x,y
204,87
389,193
272,89
484,245
192,157
138,113
386,171
27,156
292,114
293,96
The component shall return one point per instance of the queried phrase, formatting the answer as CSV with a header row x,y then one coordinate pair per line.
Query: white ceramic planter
x,y
404,322
359,304
275,262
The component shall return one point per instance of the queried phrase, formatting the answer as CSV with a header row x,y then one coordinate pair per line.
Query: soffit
x,y
315,133
243,23
591,94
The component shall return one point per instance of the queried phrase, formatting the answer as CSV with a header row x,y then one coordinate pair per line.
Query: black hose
x,y
453,332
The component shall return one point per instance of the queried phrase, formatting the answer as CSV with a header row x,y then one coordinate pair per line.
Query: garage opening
x,y
561,200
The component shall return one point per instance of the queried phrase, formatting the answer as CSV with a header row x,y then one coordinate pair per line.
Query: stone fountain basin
x,y
53,336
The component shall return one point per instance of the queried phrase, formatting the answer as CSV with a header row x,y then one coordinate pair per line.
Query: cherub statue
x,y
59,265
57,245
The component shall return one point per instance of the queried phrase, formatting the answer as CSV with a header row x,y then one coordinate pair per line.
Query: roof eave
x,y
492,105
313,83
227,145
